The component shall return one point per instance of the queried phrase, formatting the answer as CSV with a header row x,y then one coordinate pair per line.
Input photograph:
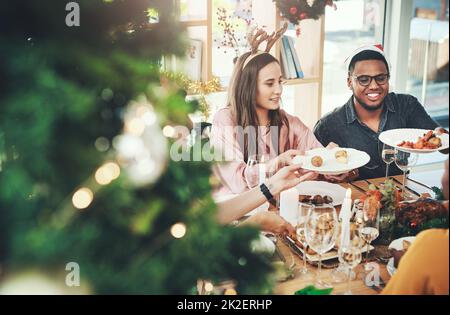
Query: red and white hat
x,y
373,47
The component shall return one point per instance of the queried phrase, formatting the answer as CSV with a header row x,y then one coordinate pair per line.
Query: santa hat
x,y
377,48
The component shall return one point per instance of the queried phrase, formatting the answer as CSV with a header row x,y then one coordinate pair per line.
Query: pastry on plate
x,y
317,161
341,156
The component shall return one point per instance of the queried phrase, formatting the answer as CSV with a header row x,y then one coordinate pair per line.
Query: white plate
x,y
397,245
332,254
331,166
313,188
396,136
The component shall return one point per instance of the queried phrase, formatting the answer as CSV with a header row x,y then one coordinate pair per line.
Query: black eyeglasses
x,y
366,80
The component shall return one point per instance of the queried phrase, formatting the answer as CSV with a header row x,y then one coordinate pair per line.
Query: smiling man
x,y
370,111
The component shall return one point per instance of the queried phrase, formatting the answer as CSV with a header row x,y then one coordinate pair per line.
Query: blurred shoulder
x,y
224,116
432,236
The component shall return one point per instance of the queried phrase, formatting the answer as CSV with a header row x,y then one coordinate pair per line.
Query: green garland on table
x,y
65,93
298,10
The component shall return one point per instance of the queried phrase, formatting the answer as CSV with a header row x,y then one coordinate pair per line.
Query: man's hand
x,y
347,177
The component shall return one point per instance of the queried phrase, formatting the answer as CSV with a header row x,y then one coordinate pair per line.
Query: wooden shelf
x,y
194,23
303,81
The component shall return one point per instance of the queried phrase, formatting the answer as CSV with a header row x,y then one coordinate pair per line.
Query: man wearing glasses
x,y
370,111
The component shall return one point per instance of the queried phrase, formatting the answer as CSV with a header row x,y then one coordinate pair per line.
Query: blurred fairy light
x,y
102,177
169,131
82,198
149,118
209,287
135,126
141,110
178,230
107,173
113,170
107,94
102,144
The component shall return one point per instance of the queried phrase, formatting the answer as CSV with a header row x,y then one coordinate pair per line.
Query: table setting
x,y
367,224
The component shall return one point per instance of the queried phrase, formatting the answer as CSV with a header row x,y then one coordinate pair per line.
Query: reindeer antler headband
x,y
256,38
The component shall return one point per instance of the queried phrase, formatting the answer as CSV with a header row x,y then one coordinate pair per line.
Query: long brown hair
x,y
242,100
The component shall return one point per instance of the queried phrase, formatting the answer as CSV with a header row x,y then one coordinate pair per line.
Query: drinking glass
x,y
370,225
350,256
302,213
404,161
256,174
321,230
388,155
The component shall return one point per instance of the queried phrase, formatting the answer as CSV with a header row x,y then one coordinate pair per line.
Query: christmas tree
x,y
85,175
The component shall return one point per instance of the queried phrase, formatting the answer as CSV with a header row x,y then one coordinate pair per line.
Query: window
x,y
428,57
353,24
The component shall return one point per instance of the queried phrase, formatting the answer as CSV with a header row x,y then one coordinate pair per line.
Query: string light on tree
x,y
82,198
169,131
209,287
107,173
178,230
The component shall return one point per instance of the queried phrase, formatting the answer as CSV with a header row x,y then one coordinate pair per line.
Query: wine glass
x,y
321,230
350,256
302,213
388,155
256,174
370,225
404,161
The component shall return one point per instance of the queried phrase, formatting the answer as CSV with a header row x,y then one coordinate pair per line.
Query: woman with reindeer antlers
x,y
253,124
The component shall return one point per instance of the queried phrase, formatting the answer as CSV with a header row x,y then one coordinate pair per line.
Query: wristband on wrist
x,y
266,192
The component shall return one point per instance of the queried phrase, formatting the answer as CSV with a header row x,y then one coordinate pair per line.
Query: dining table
x,y
291,258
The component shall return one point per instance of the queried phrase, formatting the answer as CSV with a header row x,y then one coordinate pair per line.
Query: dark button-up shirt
x,y
343,127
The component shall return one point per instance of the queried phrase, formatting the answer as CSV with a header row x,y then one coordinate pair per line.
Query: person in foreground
x,y
371,110
424,269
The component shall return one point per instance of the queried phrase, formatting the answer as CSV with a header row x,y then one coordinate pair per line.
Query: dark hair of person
x,y
366,55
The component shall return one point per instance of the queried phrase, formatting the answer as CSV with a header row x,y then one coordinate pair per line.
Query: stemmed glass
x,y
404,161
388,155
370,228
321,230
302,213
350,256
256,173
